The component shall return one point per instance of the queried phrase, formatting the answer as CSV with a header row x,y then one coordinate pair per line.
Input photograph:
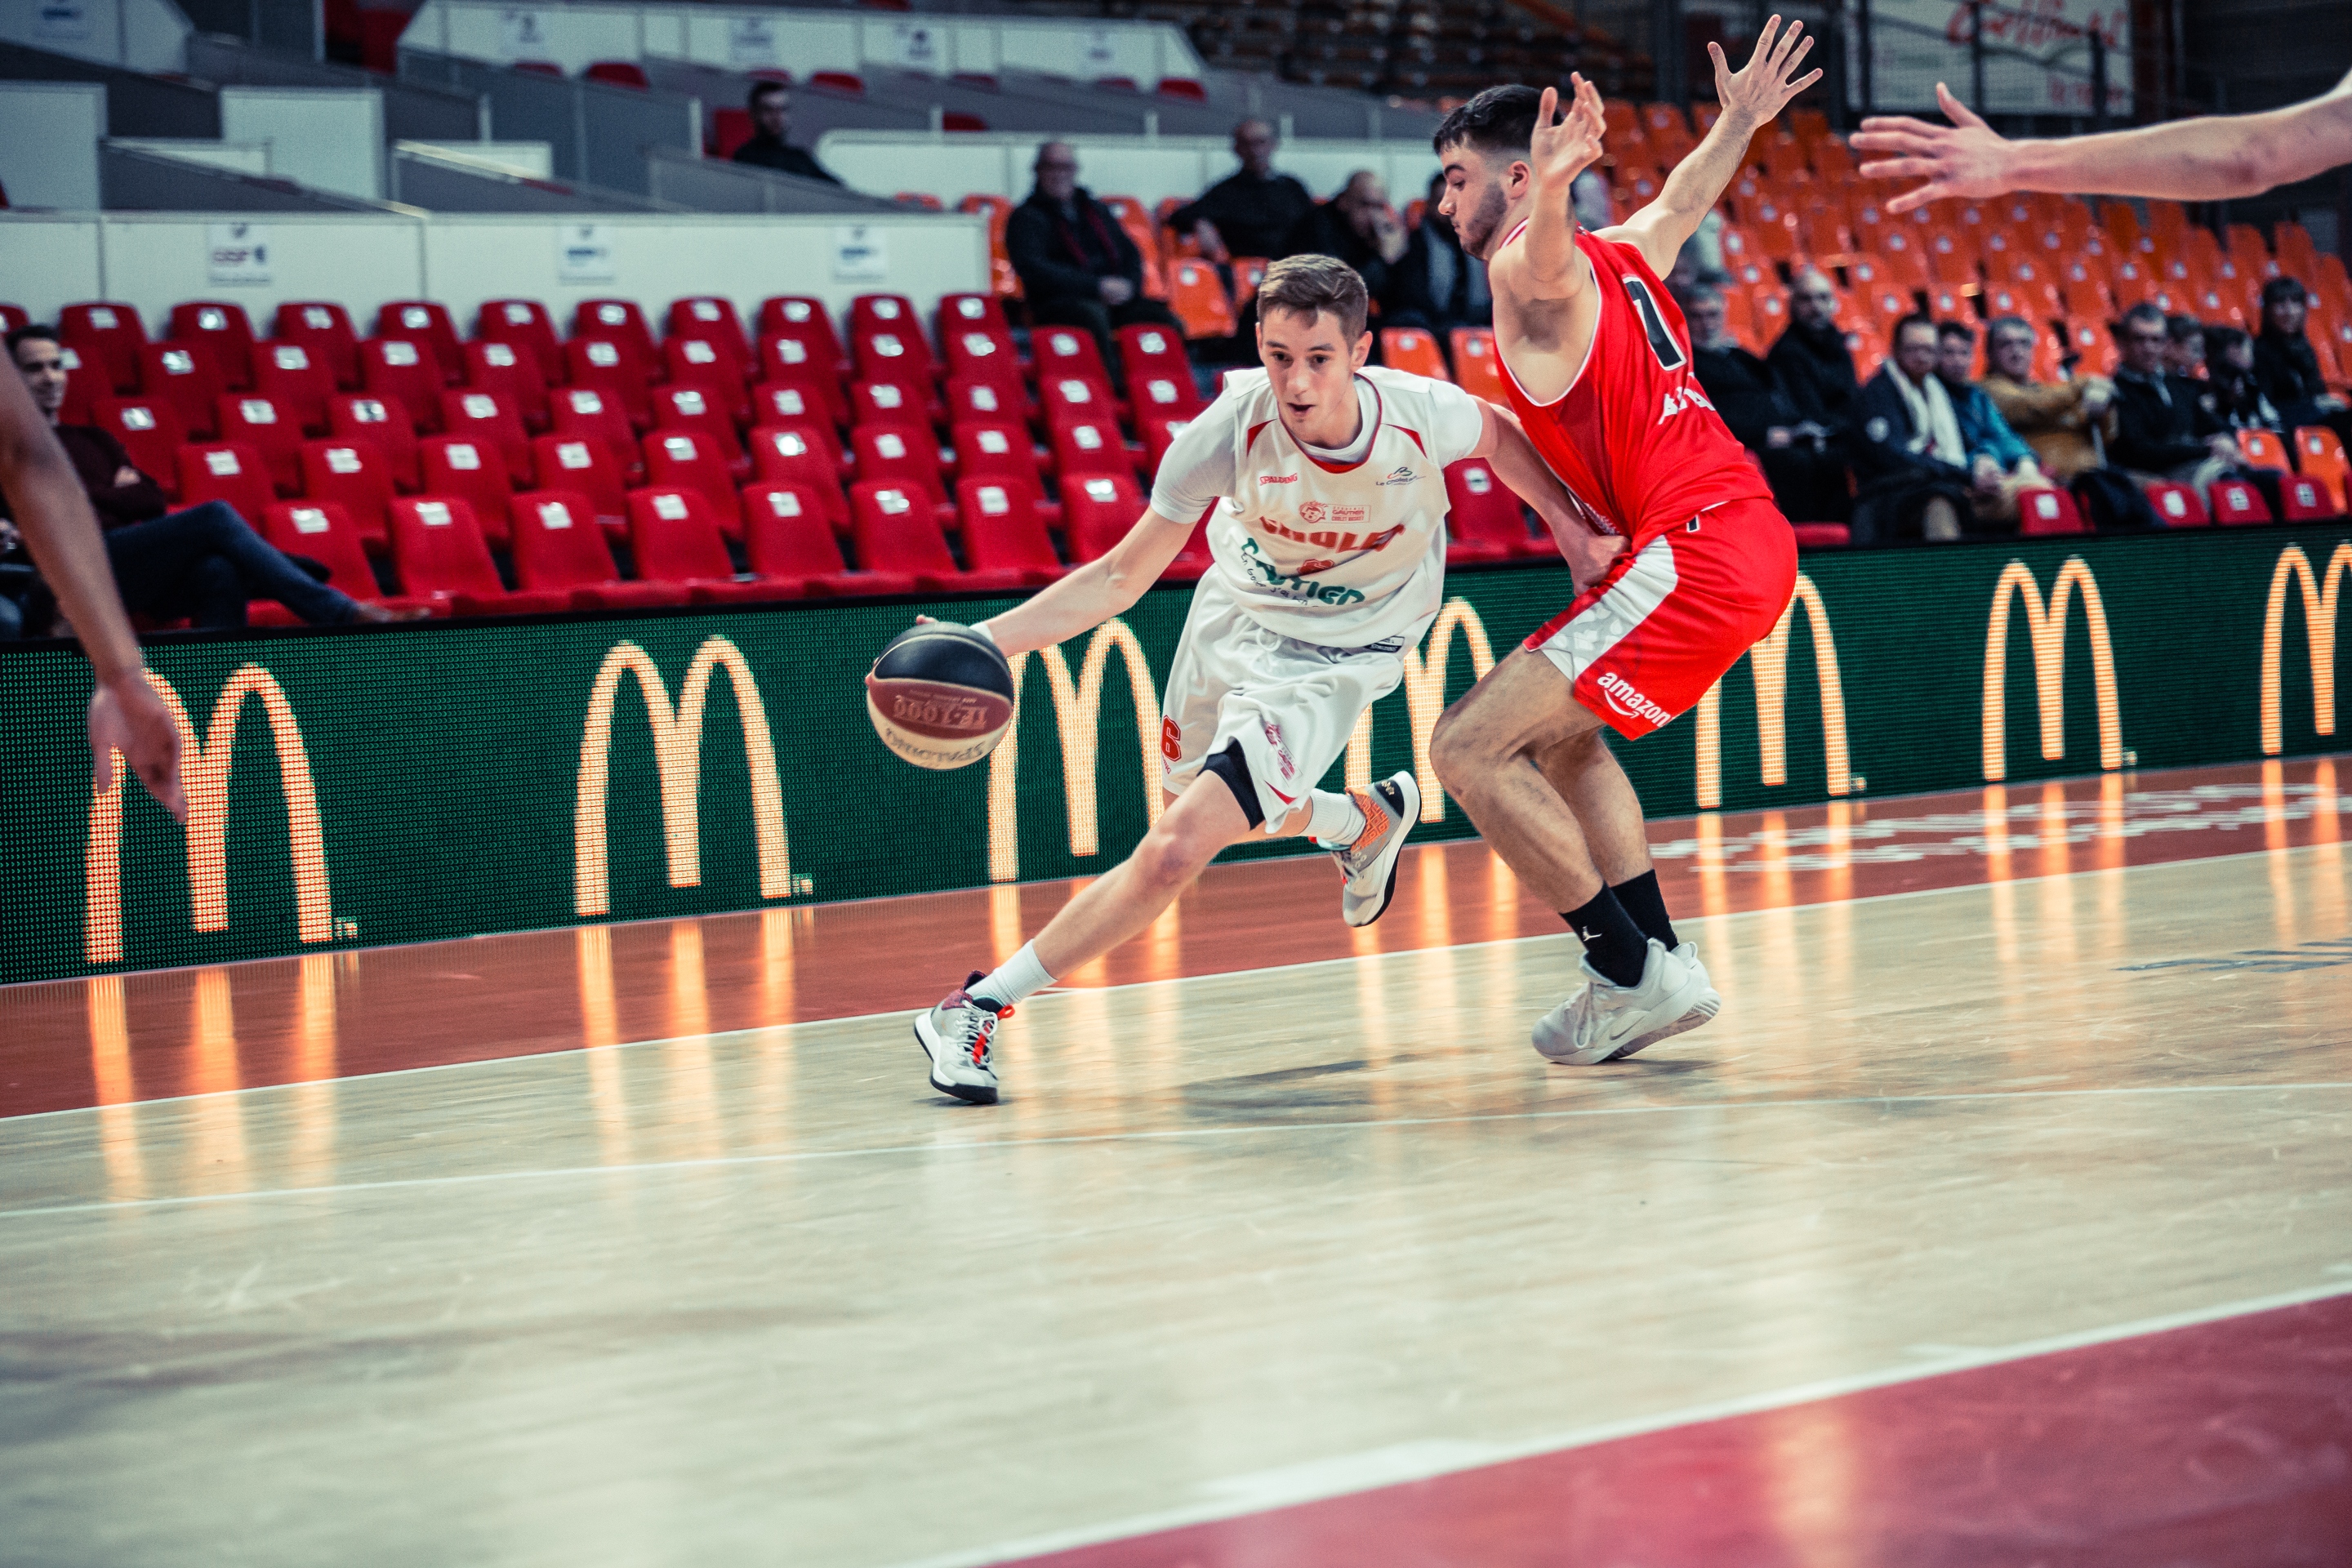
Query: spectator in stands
x,y
1910,456
2287,367
1359,227
2062,421
2232,390
1438,285
2184,346
204,562
1814,361
1804,470
1252,212
1077,267
2001,467
2163,426
771,120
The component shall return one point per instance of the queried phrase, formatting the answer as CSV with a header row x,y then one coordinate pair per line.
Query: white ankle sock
x,y
1018,979
1334,821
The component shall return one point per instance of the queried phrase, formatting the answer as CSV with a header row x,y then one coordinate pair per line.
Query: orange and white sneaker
x,y
1391,807
955,1034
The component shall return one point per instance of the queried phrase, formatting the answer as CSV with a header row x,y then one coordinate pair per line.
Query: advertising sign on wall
x,y
2038,54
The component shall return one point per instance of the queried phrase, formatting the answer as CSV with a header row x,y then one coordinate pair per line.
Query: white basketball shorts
x,y
1292,705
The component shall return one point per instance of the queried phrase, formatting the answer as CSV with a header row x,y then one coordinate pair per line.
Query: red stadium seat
x,y
797,454
1067,351
976,351
584,465
801,317
294,378
788,360
790,402
2177,505
151,432
895,532
1820,535
884,314
675,537
382,425
618,73
975,397
710,316
681,458
487,417
584,410
510,372
618,319
2049,511
971,313
1098,510
14,316
1002,529
899,399
476,472
404,370
185,378
2237,504
257,421
525,324
224,332
352,475
325,328
889,355
1069,397
695,409
438,550
791,542
109,336
902,454
1486,515
1158,435
1091,446
998,449
1147,351
423,321
324,533
610,367
559,547
2306,500
225,471
1165,398
705,363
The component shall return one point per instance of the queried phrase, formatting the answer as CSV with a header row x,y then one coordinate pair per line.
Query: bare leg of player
x,y
1528,765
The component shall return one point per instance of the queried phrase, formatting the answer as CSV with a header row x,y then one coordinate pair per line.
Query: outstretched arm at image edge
x,y
1106,586
54,517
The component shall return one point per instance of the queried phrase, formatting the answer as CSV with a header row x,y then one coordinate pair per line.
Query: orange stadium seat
x,y
324,329
403,370
1198,297
294,378
383,426
225,472
185,378
1249,271
585,465
1477,366
559,547
790,544
353,474
423,321
151,432
110,334
222,330
2320,455
473,471
250,420
2263,449
487,417
1413,351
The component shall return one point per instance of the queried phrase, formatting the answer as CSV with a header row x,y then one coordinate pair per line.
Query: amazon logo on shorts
x,y
1630,703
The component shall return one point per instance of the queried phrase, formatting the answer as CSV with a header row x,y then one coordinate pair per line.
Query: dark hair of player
x,y
1499,119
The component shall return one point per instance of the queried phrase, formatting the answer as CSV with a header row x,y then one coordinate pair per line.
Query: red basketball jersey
x,y
1634,436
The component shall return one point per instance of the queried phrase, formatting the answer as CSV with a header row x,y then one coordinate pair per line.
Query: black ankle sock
x,y
1611,940
1642,900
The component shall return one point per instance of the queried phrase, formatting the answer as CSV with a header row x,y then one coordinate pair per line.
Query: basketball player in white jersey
x,y
1322,483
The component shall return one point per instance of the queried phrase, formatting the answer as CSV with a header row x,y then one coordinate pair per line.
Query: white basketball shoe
x,y
955,1034
1608,1022
1391,807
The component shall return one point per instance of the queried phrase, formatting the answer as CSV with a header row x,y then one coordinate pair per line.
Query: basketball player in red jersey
x,y
1700,565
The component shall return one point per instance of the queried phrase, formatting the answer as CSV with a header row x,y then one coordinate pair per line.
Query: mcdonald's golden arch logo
x,y
678,756
1424,699
2321,593
1768,662
1078,707
204,766
2047,627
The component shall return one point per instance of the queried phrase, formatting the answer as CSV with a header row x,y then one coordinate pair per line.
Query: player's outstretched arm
x,y
2208,159
1751,100
1548,266
1106,586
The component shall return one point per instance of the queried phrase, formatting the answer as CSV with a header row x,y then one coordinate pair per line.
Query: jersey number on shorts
x,y
1662,341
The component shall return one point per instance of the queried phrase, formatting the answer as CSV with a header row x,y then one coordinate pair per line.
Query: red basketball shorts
x,y
1642,645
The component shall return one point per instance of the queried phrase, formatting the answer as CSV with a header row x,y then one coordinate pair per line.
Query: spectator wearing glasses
x,y
2288,367
203,562
1812,359
2001,468
2065,422
1077,267
1359,227
770,104
1913,462
2164,427
1804,470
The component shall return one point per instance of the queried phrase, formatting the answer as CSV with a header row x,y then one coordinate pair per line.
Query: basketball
x,y
941,696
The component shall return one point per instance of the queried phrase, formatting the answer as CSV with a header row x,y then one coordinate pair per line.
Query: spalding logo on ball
x,y
940,695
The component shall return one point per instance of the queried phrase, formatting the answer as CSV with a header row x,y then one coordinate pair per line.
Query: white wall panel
x,y
48,142
47,263
144,35
156,261
328,138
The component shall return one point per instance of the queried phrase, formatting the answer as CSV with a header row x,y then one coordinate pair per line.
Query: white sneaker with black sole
x,y
956,1036
1604,1019
1709,1002
1391,807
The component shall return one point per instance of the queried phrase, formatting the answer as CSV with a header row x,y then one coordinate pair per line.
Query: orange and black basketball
x,y
941,696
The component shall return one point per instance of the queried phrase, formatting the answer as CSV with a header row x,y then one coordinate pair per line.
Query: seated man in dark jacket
x,y
1359,227
204,562
1812,359
771,105
1909,454
1077,267
1437,286
1249,213
2287,367
1806,472
2163,426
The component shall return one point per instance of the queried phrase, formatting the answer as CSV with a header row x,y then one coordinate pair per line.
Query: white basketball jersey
x,y
1337,556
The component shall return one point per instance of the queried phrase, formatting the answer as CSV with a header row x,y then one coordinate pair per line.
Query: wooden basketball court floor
x,y
2004,1216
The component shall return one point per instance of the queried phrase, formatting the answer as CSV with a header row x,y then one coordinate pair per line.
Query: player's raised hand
x,y
1558,152
1966,158
1760,91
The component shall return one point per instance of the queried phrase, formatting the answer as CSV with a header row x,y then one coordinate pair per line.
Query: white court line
x,y
1058,991
1340,1475
718,1162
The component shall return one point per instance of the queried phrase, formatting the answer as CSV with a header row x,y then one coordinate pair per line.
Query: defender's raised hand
x,y
1966,158
1558,152
1760,92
